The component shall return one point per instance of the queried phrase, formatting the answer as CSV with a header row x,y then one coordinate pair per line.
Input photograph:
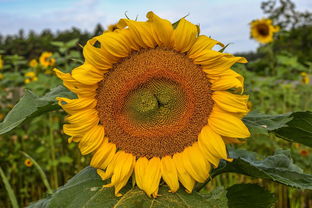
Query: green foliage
x,y
295,127
85,190
278,167
31,105
249,195
9,189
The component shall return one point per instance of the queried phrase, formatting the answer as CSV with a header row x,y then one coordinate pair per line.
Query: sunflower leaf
x,y
294,127
30,105
85,190
278,167
249,195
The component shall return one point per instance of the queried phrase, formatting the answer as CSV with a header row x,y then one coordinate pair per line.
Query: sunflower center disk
x,y
154,103
263,30
158,101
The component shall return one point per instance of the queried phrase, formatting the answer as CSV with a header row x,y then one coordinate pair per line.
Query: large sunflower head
x,y
263,30
153,103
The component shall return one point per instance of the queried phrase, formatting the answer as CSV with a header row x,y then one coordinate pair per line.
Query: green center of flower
x,y
158,100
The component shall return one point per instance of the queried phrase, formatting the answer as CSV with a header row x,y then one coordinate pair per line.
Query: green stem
x,y
42,174
52,146
9,189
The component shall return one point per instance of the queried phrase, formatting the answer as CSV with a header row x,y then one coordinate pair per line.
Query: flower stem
x,y
42,174
51,140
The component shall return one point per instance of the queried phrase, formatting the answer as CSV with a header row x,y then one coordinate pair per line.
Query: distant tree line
x,y
31,45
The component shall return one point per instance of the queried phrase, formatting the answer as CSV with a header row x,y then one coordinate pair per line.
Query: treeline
x,y
31,45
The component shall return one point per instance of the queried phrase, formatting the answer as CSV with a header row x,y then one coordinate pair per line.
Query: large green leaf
x,y
249,195
299,129
295,127
278,167
261,123
85,190
31,105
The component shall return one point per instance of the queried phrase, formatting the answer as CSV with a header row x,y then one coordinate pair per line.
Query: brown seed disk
x,y
168,133
263,29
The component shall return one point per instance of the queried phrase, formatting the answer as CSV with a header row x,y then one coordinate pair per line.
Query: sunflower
x,y
28,163
46,59
1,63
152,104
33,63
30,77
263,30
305,79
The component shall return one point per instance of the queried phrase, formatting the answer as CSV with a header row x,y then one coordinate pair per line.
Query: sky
x,y
224,20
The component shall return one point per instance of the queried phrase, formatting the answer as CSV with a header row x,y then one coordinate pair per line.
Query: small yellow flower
x,y
28,163
1,76
304,152
263,30
33,63
1,116
305,79
1,63
30,77
46,59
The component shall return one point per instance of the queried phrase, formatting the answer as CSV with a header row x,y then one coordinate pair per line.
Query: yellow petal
x,y
202,43
87,74
97,57
219,65
227,80
81,122
227,124
187,181
212,142
72,106
129,38
91,140
140,168
152,177
141,31
162,30
195,164
184,35
114,45
207,154
169,173
231,102
122,171
111,166
73,85
82,116
103,155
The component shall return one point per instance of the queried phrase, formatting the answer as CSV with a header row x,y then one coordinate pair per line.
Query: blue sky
x,y
224,20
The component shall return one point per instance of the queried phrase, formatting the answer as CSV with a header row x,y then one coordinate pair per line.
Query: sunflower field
x,y
153,113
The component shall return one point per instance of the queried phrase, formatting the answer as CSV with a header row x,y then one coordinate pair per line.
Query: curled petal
x,y
184,35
